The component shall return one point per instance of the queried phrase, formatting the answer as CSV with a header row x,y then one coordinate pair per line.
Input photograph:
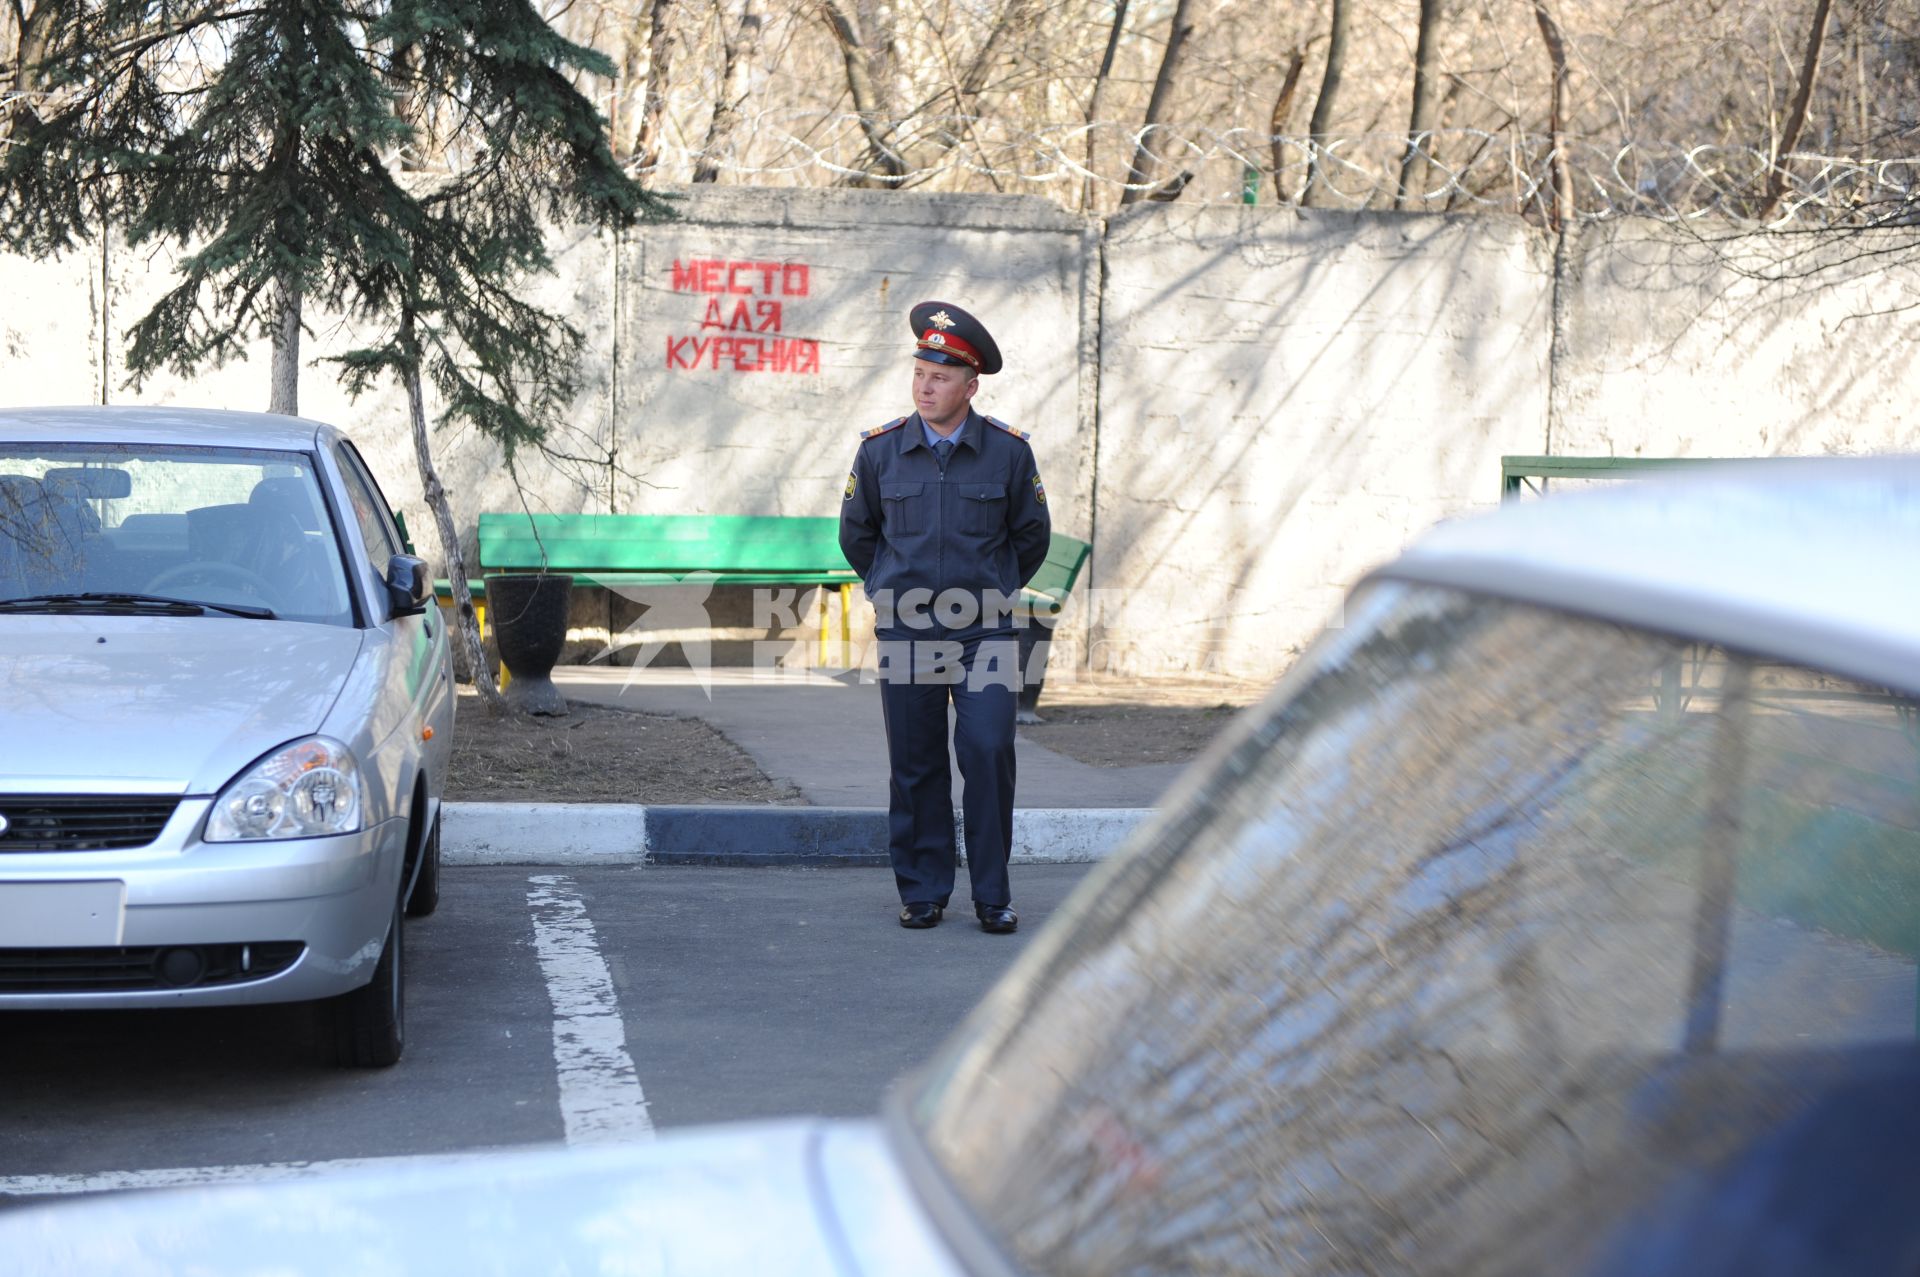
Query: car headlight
x,y
309,789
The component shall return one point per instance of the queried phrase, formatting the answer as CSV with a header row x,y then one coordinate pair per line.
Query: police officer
x,y
945,519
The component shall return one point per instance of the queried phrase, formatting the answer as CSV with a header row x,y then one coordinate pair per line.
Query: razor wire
x,y
1089,166
1451,170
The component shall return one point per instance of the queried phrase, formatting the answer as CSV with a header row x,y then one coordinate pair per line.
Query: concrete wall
x,y
721,440
1286,398
1243,408
1690,342
51,332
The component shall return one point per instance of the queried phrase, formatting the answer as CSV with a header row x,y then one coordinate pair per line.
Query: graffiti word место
x,y
716,275
742,314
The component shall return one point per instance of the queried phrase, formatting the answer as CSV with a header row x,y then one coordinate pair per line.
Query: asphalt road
x,y
741,993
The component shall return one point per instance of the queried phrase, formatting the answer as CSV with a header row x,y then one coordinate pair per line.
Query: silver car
x,y
1560,913
227,708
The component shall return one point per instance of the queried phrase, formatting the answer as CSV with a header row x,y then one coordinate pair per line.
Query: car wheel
x,y
425,896
368,1025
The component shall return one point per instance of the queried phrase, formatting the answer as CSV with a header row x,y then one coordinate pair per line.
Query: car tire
x,y
425,896
368,1025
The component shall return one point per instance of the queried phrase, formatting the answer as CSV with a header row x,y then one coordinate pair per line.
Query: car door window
x,y
369,508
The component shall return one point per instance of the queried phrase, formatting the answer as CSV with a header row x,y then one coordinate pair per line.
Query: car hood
x,y
158,704
799,1198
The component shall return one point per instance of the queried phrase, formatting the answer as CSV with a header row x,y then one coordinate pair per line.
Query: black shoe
x,y
920,913
999,919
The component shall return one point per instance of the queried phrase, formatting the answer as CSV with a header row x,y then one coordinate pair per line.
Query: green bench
x,y
616,550
1066,559
624,550
653,549
1044,596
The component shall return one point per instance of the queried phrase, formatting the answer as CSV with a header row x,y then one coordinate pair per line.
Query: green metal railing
x,y
1518,474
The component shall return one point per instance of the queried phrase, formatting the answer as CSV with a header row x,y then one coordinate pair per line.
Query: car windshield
x,y
1474,941
235,529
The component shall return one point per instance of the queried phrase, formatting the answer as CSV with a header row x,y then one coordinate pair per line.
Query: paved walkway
x,y
824,736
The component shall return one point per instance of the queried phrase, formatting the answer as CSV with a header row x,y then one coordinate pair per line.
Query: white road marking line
x,y
600,1096
193,1176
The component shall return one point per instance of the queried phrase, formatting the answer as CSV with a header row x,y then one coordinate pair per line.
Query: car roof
x,y
201,427
1807,560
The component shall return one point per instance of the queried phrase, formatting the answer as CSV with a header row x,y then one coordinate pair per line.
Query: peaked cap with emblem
x,y
945,334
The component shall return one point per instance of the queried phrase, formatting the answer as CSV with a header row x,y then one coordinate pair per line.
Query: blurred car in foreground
x,y
1558,913
228,709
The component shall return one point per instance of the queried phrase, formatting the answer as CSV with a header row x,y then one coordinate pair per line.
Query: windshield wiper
x,y
92,601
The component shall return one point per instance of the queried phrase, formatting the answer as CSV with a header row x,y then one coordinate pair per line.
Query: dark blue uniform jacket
x,y
980,526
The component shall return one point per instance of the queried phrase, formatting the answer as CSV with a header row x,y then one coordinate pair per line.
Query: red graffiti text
x,y
745,308
745,354
715,275
757,317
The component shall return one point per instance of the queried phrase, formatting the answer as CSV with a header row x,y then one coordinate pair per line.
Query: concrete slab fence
x,y
1243,408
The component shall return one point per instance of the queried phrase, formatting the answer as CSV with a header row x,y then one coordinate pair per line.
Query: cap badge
x,y
941,319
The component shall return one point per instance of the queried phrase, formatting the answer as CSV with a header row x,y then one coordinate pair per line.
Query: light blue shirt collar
x,y
934,436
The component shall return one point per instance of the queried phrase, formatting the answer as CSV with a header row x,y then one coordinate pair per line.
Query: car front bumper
x,y
334,897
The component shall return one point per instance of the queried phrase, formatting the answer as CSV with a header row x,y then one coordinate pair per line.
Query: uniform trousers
x,y
979,675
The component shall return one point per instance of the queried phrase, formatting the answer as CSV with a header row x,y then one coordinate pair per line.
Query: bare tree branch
x,y
1797,112
1562,207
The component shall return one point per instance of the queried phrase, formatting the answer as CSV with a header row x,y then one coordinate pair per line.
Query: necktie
x,y
943,450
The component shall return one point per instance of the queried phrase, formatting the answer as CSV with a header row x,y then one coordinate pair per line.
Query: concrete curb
x,y
636,834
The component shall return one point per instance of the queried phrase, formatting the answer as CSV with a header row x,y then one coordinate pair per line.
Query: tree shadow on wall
x,y
1383,323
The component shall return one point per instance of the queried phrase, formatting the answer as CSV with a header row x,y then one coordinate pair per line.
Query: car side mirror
x,y
409,585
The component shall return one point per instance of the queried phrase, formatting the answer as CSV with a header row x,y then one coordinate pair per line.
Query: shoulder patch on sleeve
x,y
1018,434
895,424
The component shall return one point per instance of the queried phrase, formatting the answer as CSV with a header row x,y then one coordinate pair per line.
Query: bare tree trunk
x,y
737,57
1417,166
1323,106
1099,93
466,622
1560,219
1861,97
36,33
1140,170
628,103
1277,124
1797,112
284,396
866,99
401,63
36,37
1561,210
646,145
